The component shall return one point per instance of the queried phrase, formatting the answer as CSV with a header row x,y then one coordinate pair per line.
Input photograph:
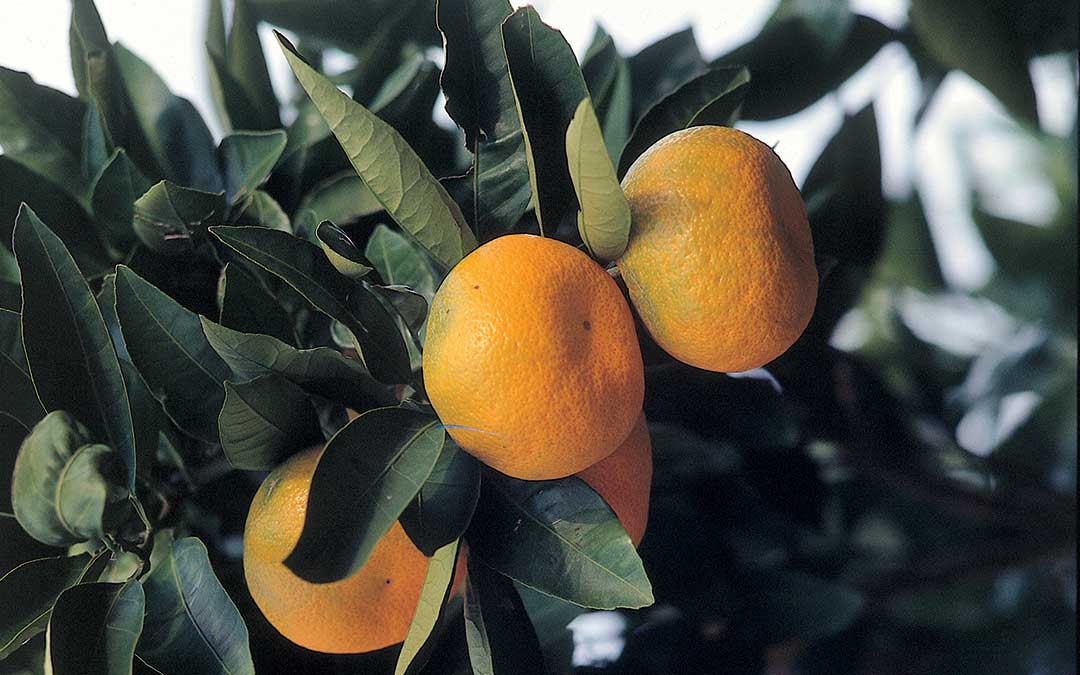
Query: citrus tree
x,y
348,390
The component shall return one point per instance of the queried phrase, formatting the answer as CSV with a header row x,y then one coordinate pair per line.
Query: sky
x,y
965,141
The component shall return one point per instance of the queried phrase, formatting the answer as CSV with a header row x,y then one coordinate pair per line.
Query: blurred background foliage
x,y
897,494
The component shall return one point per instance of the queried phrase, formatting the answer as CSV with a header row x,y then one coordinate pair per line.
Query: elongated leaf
x,y
321,371
480,98
234,108
249,308
95,147
9,269
27,595
94,628
603,212
167,345
438,580
400,262
168,217
442,510
247,65
56,113
27,138
348,24
304,267
342,199
68,348
341,251
175,133
367,475
11,345
497,628
264,420
607,75
714,97
191,625
404,186
560,538
548,85
247,157
262,210
659,69
91,498
113,196
18,397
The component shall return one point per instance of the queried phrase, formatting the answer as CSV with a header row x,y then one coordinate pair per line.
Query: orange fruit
x,y
624,480
720,263
370,610
531,360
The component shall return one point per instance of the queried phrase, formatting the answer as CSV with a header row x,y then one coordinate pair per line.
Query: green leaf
x,y
341,251
167,345
607,75
168,217
386,164
175,133
548,86
9,269
26,136
27,595
350,24
304,267
68,348
264,211
480,98
368,473
714,97
659,69
603,212
113,194
438,580
65,489
247,157
234,108
95,147
18,397
342,198
106,300
793,66
191,625
249,308
11,345
400,262
247,64
94,628
321,371
58,114
264,420
500,636
558,537
442,510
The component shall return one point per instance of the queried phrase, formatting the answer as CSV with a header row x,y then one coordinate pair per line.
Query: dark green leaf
x,y
480,98
341,251
247,64
346,23
11,345
106,300
175,132
264,420
322,371
247,157
603,212
775,606
304,267
342,198
549,86
9,269
500,636
262,210
12,433
714,97
430,607
386,164
95,147
68,348
113,196
607,75
249,308
168,217
94,628
401,262
27,594
441,511
191,625
28,132
368,473
560,538
660,68
792,66
18,397
234,108
90,495
167,345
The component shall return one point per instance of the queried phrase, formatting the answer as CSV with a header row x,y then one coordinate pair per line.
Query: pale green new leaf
x,y
603,212
435,590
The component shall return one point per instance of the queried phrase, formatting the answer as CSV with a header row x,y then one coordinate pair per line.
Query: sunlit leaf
x,y
438,580
247,157
341,251
603,212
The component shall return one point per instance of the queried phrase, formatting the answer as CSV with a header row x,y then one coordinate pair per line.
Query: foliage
x,y
179,315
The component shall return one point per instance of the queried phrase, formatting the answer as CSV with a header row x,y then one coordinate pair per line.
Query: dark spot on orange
x,y
476,287
387,582
588,326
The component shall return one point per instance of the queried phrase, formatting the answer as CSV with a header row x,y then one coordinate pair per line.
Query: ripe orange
x,y
370,610
720,263
531,360
624,480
